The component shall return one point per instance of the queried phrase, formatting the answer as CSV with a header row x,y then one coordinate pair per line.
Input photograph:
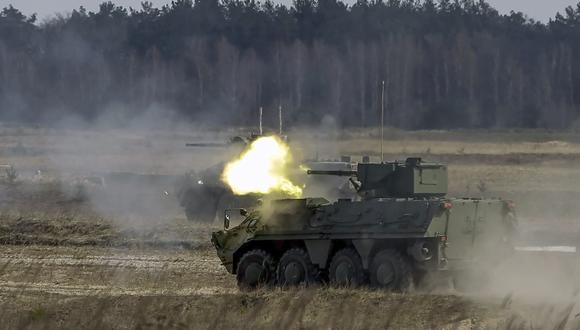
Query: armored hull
x,y
382,239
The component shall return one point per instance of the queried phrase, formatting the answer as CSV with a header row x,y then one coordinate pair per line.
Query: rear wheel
x,y
256,268
295,268
346,269
390,270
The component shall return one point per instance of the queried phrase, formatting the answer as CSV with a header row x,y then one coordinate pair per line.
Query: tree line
x,y
430,64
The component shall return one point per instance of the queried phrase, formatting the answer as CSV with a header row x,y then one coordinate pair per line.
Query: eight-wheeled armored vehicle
x,y
401,227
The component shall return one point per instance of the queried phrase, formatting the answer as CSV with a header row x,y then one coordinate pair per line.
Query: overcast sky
x,y
537,9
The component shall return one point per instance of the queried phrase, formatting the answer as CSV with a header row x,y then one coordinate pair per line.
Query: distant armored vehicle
x,y
399,228
202,194
238,140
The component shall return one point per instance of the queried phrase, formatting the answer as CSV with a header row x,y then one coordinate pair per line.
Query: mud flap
x,y
318,251
364,248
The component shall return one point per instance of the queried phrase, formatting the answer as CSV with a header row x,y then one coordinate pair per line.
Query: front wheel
x,y
346,269
256,268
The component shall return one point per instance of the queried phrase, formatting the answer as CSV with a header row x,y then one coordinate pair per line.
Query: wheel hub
x,y
253,273
294,273
385,274
344,273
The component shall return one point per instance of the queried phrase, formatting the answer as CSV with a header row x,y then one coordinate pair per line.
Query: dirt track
x,y
98,271
41,286
88,287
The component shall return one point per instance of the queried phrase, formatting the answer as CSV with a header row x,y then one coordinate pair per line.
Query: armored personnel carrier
x,y
401,227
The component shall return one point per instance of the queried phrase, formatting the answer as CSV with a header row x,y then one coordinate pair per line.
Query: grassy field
x,y
79,253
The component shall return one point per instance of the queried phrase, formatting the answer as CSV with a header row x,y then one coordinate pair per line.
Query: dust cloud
x,y
539,282
126,169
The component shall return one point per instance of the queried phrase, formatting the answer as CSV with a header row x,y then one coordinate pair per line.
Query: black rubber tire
x,y
390,270
200,208
255,269
295,268
346,269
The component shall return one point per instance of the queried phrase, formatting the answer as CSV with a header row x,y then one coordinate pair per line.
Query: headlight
x,y
214,240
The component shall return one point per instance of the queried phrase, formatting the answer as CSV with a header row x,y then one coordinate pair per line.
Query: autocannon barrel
x,y
207,145
335,173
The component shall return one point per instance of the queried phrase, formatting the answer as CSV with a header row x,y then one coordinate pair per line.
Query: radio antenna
x,y
261,112
382,121
280,118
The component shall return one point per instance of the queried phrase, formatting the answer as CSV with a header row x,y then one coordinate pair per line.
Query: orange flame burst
x,y
262,168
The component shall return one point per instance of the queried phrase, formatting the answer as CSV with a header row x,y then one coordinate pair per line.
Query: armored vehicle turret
x,y
409,179
401,227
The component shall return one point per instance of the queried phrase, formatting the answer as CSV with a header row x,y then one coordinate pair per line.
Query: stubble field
x,y
91,235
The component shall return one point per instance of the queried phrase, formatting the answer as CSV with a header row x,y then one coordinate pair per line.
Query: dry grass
x,y
287,310
110,307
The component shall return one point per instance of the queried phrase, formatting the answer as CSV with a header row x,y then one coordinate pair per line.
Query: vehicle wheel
x,y
256,268
198,208
295,268
390,270
346,269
